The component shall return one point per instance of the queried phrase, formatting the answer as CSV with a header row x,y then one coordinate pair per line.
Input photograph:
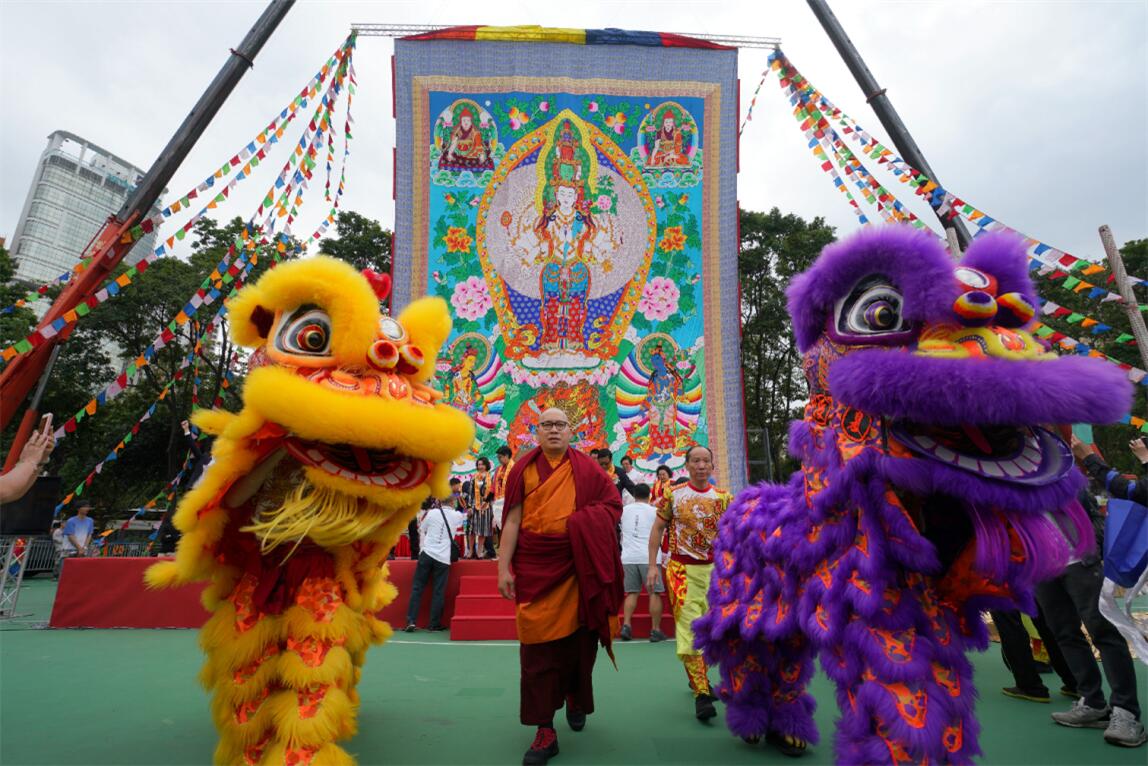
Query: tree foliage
x,y
106,341
774,247
16,324
362,242
1112,439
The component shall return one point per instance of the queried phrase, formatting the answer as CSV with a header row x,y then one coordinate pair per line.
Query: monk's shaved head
x,y
552,413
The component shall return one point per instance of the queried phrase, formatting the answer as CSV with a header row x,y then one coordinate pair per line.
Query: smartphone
x,y
45,423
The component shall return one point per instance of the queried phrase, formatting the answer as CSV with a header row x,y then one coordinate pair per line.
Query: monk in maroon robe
x,y
559,560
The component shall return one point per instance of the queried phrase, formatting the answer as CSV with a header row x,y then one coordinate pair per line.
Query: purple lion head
x,y
921,371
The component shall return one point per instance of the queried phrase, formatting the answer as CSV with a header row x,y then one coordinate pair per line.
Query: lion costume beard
x,y
292,509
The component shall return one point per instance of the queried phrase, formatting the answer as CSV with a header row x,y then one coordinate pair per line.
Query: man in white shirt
x,y
438,525
637,520
78,531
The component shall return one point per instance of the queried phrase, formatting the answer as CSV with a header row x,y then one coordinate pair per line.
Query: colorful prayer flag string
x,y
268,136
753,101
808,105
1068,343
1051,308
938,198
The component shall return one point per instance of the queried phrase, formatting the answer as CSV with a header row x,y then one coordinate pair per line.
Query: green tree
x,y
361,242
18,323
774,247
1112,440
121,329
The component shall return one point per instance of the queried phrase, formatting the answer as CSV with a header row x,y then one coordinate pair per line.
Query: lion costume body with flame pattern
x,y
931,488
339,441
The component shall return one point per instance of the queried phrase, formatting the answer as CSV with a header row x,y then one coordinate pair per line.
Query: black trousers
x,y
1017,651
1073,598
423,571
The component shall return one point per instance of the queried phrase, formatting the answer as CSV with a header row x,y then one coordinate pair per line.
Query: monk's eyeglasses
x,y
552,425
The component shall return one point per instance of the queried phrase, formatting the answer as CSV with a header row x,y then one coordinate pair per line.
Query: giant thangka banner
x,y
572,195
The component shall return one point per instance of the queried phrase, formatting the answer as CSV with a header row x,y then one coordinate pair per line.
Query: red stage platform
x,y
110,593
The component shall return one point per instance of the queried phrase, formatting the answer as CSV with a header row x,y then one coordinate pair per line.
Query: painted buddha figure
x,y
667,147
462,390
467,149
662,401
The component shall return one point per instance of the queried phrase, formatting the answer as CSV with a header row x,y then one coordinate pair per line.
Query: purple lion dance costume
x,y
931,488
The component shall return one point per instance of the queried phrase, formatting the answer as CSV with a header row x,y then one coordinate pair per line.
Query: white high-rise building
x,y
76,187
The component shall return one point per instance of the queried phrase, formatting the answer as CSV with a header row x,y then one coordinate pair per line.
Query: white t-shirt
x,y
434,537
637,520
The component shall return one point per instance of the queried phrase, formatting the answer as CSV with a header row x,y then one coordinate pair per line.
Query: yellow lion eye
x,y
313,338
306,331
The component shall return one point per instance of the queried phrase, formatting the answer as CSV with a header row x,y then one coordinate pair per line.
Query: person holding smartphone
x,y
33,458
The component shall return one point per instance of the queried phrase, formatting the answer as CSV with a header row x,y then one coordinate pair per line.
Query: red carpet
x,y
110,593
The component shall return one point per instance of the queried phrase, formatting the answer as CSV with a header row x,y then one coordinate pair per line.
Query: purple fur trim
x,y
1003,256
837,564
915,261
950,392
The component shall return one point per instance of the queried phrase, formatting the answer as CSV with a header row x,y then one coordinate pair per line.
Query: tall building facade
x,y
76,187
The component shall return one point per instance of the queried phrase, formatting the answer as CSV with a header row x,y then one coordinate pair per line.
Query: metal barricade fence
x,y
42,553
118,550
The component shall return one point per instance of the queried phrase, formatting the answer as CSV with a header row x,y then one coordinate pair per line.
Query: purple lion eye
x,y
881,315
872,308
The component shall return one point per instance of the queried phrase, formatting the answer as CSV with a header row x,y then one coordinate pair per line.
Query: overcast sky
x,y
1032,111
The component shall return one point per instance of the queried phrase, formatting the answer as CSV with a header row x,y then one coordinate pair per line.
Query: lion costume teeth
x,y
339,440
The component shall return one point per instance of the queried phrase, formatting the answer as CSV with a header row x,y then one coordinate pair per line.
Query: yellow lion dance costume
x,y
339,441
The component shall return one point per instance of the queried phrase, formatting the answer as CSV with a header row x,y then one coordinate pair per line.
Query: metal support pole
x,y
875,96
242,58
110,245
1135,318
768,455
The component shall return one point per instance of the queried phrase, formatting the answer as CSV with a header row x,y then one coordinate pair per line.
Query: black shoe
x,y
410,628
704,707
436,628
576,719
787,745
626,634
1032,695
544,747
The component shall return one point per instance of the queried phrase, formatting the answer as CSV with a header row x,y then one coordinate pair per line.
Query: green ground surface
x,y
130,697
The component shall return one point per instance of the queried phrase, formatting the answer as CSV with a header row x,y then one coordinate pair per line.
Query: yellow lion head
x,y
338,390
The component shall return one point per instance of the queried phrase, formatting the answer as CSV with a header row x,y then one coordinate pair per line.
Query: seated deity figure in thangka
x,y
658,394
567,227
465,143
668,140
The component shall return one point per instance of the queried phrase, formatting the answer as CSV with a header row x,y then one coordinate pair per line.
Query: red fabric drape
x,y
589,549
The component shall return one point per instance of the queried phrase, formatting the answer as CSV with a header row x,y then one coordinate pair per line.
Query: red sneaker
x,y
544,747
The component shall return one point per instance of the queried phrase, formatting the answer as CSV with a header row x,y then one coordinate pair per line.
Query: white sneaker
x,y
1081,716
1124,729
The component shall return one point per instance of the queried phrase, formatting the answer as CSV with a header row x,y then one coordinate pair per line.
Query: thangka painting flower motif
x,y
471,298
659,299
457,240
672,239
